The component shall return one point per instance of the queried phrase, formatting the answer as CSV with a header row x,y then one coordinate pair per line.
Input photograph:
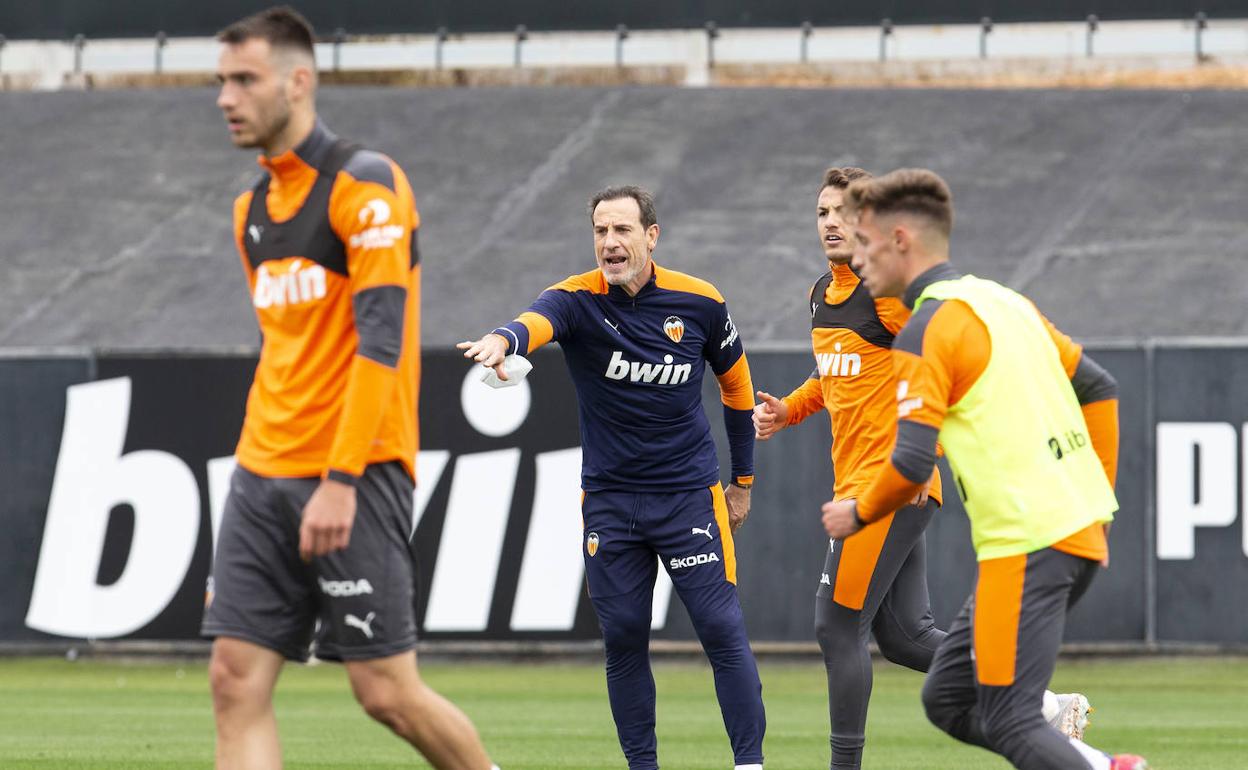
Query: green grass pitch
x,y
1181,713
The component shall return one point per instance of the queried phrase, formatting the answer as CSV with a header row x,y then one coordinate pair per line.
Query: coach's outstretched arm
x,y
549,317
489,351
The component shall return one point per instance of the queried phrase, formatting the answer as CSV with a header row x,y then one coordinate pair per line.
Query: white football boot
x,y
1068,713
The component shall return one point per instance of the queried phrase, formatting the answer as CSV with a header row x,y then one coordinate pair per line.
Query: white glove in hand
x,y
517,367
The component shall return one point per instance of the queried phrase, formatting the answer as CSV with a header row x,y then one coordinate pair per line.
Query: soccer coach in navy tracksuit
x,y
637,338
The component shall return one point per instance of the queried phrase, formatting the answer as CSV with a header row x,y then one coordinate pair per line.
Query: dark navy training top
x,y
637,363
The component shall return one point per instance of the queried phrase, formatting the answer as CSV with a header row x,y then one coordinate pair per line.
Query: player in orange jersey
x,y
313,545
876,583
873,584
1030,426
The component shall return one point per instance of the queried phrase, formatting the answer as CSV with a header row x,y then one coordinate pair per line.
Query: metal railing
x,y
806,33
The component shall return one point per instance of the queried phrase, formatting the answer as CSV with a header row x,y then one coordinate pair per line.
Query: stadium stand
x,y
121,200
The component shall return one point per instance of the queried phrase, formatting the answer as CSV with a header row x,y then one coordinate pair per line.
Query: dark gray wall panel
x,y
1206,598
32,407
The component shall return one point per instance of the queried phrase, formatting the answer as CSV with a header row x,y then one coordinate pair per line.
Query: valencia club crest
x,y
674,328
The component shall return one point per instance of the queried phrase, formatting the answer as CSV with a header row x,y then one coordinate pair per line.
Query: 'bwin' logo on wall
x,y
94,474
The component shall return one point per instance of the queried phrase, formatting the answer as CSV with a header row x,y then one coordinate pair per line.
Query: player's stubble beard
x,y
271,122
843,255
279,122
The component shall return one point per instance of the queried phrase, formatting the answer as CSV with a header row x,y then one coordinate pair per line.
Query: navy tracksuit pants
x,y
688,532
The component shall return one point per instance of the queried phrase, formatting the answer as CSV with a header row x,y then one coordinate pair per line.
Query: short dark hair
x,y
282,26
840,177
644,198
904,191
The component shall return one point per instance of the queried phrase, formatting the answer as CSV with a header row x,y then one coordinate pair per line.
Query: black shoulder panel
x,y
911,337
856,314
308,233
369,166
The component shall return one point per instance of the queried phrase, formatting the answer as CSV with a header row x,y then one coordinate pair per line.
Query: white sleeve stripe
x,y
516,346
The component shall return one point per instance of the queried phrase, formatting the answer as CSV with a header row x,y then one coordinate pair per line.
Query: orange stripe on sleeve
x,y
736,388
805,400
1102,420
936,371
924,389
540,330
890,492
370,386
998,606
1068,350
962,346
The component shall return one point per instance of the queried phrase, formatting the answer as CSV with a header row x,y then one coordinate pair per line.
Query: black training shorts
x,y
355,604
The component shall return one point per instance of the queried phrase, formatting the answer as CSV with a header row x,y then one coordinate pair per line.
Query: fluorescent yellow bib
x,y
1017,440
